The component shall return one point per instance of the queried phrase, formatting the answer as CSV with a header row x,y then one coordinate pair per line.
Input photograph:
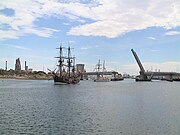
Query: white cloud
x,y
152,38
42,32
66,24
85,48
145,50
152,50
130,69
6,59
19,47
117,17
9,34
22,22
99,28
172,33
109,18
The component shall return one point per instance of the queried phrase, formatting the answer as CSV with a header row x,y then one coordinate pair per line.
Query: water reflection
x,y
127,107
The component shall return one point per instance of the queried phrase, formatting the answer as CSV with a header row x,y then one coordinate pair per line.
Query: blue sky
x,y
96,29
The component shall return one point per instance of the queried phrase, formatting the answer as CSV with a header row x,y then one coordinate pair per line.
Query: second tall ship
x,y
66,73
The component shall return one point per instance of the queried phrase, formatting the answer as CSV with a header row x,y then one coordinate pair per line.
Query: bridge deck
x,y
162,73
100,73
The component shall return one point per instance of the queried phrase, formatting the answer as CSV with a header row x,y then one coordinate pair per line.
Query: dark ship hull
x,y
143,80
176,79
117,79
61,80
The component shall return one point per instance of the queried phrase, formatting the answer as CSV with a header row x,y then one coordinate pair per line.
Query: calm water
x,y
103,108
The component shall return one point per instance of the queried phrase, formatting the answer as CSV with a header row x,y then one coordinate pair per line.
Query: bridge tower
x,y
143,76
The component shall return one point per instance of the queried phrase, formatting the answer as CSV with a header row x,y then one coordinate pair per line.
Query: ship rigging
x,y
66,73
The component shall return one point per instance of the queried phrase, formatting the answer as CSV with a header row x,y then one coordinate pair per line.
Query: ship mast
x,y
61,60
103,67
66,68
98,66
69,61
73,70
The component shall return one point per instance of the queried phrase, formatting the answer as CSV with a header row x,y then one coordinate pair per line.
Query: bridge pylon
x,y
142,76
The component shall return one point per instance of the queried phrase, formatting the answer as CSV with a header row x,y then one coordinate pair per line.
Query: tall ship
x,y
66,73
101,77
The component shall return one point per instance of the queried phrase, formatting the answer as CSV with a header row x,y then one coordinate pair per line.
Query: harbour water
x,y
103,108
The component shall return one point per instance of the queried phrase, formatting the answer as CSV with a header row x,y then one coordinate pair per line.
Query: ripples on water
x,y
107,108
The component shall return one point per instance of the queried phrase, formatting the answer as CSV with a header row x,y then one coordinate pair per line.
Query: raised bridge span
x,y
147,76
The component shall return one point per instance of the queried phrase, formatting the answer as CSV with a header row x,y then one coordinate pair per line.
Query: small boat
x,y
176,79
66,73
167,79
117,77
102,79
138,79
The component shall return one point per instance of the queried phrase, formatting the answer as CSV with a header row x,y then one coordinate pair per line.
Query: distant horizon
x,y
46,70
96,29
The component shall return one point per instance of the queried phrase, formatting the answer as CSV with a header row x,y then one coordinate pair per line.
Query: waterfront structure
x,y
80,69
18,65
26,67
6,66
147,76
143,76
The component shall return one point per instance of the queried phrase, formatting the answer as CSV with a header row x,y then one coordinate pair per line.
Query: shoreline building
x,y
26,67
80,69
6,66
18,64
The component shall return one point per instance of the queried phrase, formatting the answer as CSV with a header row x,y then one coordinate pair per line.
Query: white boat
x,y
102,79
